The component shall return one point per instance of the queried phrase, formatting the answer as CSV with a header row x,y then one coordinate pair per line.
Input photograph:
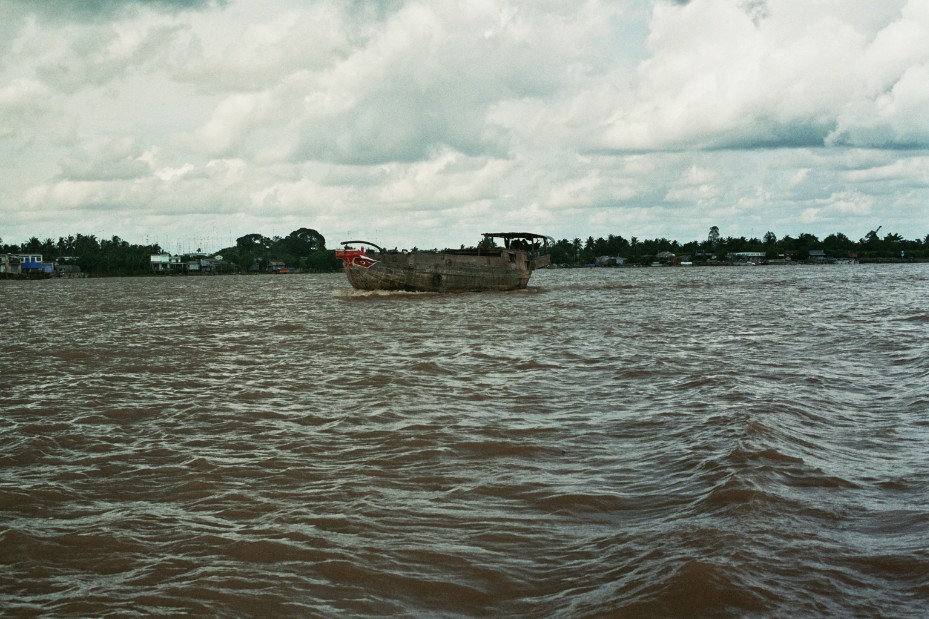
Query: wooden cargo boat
x,y
487,267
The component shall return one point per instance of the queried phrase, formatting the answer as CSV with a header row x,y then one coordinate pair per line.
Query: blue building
x,y
30,263
24,264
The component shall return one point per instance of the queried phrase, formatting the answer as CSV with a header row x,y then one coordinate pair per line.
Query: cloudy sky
x,y
426,122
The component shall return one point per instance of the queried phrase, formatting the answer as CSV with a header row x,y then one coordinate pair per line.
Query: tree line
x,y
872,247
94,256
303,249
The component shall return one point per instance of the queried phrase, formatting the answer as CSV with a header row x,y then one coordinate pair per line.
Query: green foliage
x,y
252,242
304,249
95,257
718,248
111,257
303,242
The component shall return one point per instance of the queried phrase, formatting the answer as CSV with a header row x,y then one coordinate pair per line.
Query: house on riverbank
x,y
25,265
166,263
34,266
746,257
10,264
199,265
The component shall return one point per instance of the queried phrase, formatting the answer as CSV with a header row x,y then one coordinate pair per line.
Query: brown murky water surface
x,y
652,442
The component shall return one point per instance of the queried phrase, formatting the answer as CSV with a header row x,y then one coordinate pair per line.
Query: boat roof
x,y
515,235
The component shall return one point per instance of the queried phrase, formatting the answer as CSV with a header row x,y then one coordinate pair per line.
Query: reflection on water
x,y
609,442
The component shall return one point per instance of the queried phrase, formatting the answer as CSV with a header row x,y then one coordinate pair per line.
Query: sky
x,y
424,123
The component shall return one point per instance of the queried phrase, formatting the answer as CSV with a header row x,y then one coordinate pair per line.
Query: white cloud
x,y
897,117
848,202
799,177
721,76
168,174
696,185
230,125
912,171
22,102
248,47
810,216
73,57
105,159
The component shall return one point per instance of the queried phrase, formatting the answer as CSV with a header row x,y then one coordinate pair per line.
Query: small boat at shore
x,y
486,267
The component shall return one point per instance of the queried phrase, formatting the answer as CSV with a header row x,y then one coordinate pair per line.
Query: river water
x,y
729,442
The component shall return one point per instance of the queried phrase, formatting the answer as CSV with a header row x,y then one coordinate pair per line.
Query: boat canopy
x,y
377,247
526,236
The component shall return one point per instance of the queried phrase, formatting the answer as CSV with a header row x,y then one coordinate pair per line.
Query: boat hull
x,y
496,270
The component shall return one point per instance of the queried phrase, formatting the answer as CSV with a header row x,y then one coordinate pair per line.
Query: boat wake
x,y
368,294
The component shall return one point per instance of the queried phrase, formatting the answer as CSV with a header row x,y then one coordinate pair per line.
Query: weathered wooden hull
x,y
451,271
